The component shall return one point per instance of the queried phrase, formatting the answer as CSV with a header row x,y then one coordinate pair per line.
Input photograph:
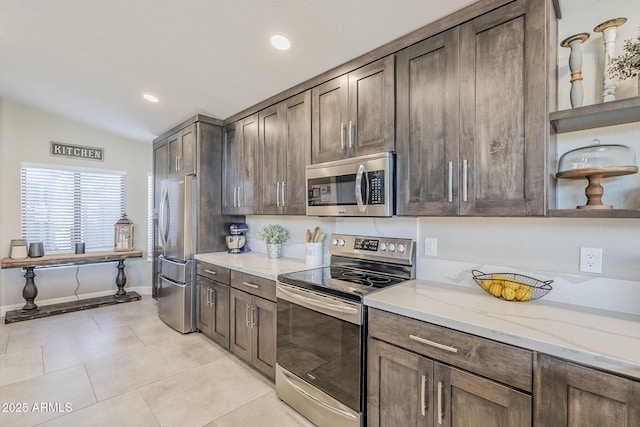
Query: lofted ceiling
x,y
91,60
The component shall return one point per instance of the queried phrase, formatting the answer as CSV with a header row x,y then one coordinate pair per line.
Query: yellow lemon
x,y
496,288
524,293
508,294
486,284
511,285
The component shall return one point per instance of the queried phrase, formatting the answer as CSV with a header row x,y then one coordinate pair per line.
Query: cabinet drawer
x,y
501,362
254,285
214,272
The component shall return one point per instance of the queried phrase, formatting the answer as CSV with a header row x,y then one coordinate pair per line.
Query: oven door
x,y
360,186
320,366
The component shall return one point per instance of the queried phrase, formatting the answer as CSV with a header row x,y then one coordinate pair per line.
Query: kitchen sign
x,y
77,151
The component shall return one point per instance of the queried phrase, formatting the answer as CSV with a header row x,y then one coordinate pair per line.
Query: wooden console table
x,y
30,290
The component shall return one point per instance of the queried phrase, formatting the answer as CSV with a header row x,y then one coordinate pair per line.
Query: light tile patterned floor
x,y
121,365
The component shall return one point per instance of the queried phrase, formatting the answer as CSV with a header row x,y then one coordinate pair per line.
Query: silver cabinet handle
x,y
235,190
342,136
465,179
208,297
423,395
450,190
350,134
251,285
247,313
440,402
278,194
179,161
433,344
284,193
213,297
211,272
253,316
239,197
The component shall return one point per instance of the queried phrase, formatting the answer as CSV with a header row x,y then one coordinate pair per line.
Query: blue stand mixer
x,y
237,240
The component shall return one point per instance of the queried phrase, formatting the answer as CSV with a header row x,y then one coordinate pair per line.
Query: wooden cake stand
x,y
594,190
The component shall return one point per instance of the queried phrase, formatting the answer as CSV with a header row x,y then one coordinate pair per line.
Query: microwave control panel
x,y
376,192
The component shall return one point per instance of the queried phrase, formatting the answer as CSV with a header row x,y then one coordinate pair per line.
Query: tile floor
x,y
121,365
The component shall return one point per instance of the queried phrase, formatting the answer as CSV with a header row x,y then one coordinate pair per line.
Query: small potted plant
x,y
627,65
274,236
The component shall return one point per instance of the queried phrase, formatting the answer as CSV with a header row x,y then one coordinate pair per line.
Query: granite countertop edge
x,y
597,338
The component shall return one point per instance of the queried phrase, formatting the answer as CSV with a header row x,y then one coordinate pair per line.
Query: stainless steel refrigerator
x,y
176,230
187,214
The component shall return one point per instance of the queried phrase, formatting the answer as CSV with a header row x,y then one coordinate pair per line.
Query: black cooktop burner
x,y
345,282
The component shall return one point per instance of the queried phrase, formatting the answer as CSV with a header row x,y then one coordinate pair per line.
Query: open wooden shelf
x,y
597,115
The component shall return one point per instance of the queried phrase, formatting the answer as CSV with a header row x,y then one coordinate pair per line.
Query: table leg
x,y
121,279
30,290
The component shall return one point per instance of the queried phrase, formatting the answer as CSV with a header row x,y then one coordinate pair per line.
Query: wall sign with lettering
x,y
77,151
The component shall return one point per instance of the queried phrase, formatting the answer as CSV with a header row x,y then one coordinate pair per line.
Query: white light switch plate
x,y
430,246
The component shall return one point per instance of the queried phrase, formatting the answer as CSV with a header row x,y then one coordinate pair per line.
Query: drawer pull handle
x,y
251,285
434,344
211,272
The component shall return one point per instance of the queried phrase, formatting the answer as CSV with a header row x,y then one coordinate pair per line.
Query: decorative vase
x,y
576,94
608,30
274,250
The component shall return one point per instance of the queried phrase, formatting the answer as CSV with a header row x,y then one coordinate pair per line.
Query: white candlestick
x,y
576,93
608,30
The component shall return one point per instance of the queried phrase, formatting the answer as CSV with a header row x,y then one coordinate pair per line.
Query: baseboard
x,y
142,290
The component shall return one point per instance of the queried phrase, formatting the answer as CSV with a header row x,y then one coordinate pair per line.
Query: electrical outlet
x,y
591,260
430,246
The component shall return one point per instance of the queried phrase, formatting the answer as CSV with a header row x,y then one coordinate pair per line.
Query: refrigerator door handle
x,y
162,227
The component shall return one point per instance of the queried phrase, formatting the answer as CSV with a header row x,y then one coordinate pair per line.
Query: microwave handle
x,y
358,189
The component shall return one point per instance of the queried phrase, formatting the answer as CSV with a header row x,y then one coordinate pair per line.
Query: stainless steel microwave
x,y
358,186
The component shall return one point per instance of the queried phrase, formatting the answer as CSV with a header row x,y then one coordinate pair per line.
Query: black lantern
x,y
123,235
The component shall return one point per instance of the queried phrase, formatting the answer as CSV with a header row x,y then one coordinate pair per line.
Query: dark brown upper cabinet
x,y
473,116
353,114
239,167
284,150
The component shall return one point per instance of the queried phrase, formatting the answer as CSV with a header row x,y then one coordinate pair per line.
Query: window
x,y
150,217
60,207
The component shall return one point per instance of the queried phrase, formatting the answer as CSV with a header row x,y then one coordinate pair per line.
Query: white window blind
x,y
149,217
60,207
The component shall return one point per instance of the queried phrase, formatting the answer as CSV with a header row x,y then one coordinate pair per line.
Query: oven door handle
x,y
358,189
315,399
320,304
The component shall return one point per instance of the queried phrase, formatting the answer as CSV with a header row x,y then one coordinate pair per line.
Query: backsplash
x,y
544,248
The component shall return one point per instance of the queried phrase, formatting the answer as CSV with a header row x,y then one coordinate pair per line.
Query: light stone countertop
x,y
598,338
255,263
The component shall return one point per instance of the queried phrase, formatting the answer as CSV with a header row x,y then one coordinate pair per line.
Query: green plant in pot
x,y
627,65
274,235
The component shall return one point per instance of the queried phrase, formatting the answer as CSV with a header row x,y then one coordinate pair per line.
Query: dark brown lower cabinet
x,y
253,331
571,395
407,389
213,314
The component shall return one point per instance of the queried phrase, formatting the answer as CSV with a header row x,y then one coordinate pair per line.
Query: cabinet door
x,y
399,387
504,128
371,124
464,399
219,303
329,106
241,324
264,336
428,127
239,167
271,162
297,134
577,396
205,312
182,151
189,140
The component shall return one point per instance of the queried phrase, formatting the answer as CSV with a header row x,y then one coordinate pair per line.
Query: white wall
x,y
545,248
24,137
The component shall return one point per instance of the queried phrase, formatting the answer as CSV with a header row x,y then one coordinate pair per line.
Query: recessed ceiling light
x,y
280,42
150,97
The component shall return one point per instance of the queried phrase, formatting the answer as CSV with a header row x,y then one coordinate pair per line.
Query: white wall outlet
x,y
591,260
430,246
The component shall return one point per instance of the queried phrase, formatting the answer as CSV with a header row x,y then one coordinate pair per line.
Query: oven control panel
x,y
393,249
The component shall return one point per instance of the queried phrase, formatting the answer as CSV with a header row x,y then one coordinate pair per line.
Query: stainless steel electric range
x,y
321,333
